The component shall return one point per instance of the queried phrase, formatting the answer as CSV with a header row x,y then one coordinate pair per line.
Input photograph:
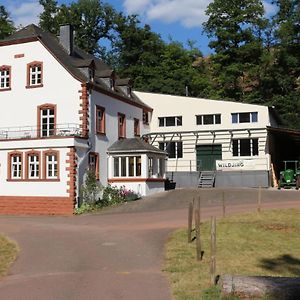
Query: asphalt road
x,y
117,254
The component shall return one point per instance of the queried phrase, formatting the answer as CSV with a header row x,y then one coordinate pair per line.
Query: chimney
x,y
66,37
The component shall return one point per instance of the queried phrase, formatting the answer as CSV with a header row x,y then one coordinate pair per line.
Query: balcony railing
x,y
30,132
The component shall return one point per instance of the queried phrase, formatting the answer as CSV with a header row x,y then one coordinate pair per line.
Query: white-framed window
x,y
35,74
5,77
51,166
245,147
174,149
208,119
47,116
127,166
33,161
245,117
16,166
170,121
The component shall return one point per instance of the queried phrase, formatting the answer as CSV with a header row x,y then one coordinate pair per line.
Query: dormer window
x,y
112,83
5,76
35,74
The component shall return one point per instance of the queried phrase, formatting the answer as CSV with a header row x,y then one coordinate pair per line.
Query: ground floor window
x,y
15,165
51,164
38,165
127,166
245,147
174,149
94,163
33,165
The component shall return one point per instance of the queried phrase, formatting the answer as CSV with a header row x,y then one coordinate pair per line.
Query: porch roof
x,y
135,145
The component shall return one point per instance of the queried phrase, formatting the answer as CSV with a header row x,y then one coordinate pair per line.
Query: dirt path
x,y
114,255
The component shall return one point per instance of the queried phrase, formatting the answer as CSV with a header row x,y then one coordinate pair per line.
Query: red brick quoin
x,y
32,205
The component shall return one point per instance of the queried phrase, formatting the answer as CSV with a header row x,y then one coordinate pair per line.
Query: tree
x,y
91,19
138,50
48,20
6,24
237,27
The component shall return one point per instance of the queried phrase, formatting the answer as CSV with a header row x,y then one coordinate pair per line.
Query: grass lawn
x,y
250,244
8,254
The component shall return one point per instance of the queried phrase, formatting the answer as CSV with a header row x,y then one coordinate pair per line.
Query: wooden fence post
x,y
259,200
190,220
197,229
213,250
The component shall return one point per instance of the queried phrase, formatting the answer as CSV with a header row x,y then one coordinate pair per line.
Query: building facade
x,y
208,135
61,110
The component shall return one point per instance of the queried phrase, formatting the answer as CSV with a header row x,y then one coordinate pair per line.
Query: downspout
x,y
80,162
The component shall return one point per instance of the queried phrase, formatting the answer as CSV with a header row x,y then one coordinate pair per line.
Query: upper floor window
x,y
15,165
5,78
51,165
174,149
121,125
47,120
100,120
35,74
145,117
33,165
169,121
245,147
208,119
136,127
248,117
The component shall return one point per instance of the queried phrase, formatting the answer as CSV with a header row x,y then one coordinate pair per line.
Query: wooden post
x,y
223,204
213,250
197,229
259,200
190,220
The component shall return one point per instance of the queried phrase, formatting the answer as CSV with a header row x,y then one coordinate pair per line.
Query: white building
x,y
61,110
208,135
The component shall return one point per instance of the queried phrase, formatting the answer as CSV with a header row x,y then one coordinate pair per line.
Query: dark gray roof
x,y
73,63
123,81
133,145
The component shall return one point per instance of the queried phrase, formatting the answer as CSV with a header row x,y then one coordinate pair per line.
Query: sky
x,y
179,20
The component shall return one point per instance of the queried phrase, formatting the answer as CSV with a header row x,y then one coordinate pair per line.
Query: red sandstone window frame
x,y
45,165
28,154
121,126
100,122
10,156
96,165
5,68
40,108
137,131
30,66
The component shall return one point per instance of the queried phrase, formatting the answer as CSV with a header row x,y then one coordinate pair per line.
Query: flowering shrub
x,y
128,195
96,197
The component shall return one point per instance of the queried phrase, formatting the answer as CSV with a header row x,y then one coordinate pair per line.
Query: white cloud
x,y
270,9
189,13
25,13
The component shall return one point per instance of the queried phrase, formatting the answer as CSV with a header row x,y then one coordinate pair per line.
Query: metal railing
x,y
29,132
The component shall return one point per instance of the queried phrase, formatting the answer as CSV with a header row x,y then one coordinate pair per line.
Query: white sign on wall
x,y
235,165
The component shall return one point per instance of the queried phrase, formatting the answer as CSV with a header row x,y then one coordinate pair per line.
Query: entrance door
x,y
207,156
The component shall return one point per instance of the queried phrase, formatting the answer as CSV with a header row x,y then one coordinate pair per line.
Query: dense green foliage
x,y
6,24
255,59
